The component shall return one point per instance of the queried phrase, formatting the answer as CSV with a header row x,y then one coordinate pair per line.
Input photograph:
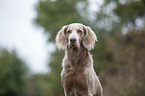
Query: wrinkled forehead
x,y
75,26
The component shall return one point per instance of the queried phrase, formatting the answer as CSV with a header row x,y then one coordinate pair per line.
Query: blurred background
x,y
30,64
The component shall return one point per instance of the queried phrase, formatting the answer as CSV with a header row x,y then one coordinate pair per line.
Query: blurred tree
x,y
130,10
53,14
128,55
120,16
13,72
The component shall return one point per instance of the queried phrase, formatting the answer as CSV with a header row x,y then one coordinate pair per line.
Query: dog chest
x,y
76,81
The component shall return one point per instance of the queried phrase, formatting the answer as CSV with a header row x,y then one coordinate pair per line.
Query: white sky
x,y
18,32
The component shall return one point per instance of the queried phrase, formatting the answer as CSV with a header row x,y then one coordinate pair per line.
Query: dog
x,y
78,76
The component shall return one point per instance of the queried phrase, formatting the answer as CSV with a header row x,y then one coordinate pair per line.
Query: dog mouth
x,y
73,46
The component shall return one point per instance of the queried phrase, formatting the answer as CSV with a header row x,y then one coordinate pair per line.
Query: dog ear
x,y
61,40
89,38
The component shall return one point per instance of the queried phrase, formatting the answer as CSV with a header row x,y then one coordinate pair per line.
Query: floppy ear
x,y
61,40
89,38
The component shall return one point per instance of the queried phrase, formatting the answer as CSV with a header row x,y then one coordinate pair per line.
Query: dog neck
x,y
78,57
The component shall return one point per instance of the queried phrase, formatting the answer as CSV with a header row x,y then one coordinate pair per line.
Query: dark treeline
x,y
13,74
118,56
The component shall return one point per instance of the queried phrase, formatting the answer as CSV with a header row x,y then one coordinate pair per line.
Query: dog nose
x,y
73,40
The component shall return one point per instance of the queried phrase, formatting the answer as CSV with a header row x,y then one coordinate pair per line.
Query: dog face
x,y
74,35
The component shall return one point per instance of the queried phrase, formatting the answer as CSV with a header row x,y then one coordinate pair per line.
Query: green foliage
x,y
53,15
116,16
130,12
12,74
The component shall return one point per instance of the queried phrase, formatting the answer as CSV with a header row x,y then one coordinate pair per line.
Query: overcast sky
x,y
18,32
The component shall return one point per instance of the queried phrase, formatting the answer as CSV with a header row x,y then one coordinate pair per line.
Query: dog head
x,y
76,35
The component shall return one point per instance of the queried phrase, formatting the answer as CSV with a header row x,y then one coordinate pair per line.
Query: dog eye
x,y
79,31
69,31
